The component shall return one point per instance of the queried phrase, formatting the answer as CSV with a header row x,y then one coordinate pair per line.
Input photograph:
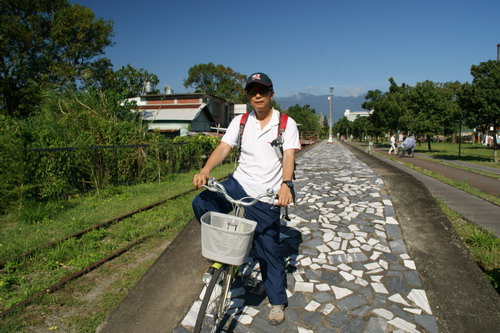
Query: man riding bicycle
x,y
259,168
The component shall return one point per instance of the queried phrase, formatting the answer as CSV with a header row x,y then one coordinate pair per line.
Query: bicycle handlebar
x,y
214,186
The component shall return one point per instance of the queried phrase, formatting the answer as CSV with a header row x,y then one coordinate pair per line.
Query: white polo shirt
x,y
259,167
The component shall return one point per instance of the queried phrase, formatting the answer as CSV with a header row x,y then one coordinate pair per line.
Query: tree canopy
x,y
217,80
44,43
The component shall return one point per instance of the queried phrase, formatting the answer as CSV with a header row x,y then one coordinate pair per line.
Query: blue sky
x,y
305,46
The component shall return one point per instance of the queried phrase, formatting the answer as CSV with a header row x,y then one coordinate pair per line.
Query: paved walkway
x,y
474,209
360,259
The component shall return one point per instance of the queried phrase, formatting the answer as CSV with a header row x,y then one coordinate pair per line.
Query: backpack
x,y
277,143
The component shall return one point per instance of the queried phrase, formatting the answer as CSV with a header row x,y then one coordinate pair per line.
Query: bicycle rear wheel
x,y
213,306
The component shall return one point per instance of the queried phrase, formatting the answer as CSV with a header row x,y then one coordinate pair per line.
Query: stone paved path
x,y
349,270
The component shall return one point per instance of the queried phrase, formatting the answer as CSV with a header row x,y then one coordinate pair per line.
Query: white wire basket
x,y
226,238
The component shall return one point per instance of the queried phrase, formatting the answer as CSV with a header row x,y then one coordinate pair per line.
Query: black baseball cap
x,y
259,78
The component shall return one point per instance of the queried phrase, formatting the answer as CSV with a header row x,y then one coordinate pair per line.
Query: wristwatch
x,y
288,183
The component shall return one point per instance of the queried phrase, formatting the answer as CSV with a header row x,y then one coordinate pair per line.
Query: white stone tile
x,y
297,276
375,255
358,273
250,311
312,306
372,265
347,276
404,325
323,248
419,297
320,261
323,287
354,243
190,318
384,313
397,298
404,256
315,266
413,310
304,330
361,282
377,278
306,262
327,309
341,292
384,264
379,288
307,287
330,267
391,220
410,264
244,319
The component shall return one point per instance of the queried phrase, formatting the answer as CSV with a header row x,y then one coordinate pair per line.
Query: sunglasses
x,y
263,91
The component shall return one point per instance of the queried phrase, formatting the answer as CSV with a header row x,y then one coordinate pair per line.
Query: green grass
x,y
23,277
483,246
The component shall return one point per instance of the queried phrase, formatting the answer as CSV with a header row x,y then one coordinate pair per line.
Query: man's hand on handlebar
x,y
285,196
200,179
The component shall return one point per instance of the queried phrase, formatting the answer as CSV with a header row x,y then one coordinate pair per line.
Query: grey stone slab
x,y
331,277
380,300
312,318
376,325
413,279
314,242
337,259
396,285
427,322
297,300
338,319
354,326
313,253
312,274
400,313
362,311
322,297
398,246
393,231
351,302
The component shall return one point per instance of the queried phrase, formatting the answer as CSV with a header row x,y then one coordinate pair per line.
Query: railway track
x,y
105,224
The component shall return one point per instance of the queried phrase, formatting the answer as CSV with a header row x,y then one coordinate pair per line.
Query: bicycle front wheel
x,y
213,306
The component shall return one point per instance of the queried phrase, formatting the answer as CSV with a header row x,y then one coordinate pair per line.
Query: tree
x,y
45,42
306,117
342,127
218,81
430,108
482,97
388,107
130,81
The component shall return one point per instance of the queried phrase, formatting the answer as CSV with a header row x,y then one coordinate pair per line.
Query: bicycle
x,y
369,150
234,239
402,151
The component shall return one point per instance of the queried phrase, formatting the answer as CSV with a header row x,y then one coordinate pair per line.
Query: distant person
x,y
409,144
393,144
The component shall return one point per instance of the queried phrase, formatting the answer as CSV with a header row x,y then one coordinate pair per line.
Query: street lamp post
x,y
330,138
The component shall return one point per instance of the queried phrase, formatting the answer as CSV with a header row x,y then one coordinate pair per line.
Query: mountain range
x,y
321,103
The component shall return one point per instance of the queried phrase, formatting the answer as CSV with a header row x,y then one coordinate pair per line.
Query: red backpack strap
x,y
243,122
282,123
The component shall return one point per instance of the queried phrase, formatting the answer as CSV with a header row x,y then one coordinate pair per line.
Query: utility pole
x,y
330,138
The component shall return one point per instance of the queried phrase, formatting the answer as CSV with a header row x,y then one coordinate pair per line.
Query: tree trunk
x,y
428,142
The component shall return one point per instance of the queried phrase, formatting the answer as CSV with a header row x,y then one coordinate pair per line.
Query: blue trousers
x,y
266,236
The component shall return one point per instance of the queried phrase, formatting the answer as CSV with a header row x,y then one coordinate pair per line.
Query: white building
x,y
352,115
